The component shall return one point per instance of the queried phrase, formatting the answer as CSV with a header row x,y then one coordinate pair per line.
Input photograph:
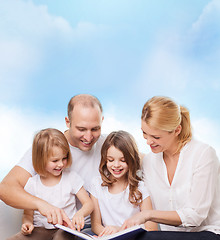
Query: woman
x,y
182,175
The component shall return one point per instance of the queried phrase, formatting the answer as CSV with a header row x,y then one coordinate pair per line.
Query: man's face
x,y
84,127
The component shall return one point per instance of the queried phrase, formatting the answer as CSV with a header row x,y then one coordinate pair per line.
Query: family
x,y
102,184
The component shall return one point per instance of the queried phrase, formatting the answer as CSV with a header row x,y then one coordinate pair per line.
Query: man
x,y
84,136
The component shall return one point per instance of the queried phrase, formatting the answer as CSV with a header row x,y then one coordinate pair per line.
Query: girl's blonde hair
x,y
42,148
124,142
164,114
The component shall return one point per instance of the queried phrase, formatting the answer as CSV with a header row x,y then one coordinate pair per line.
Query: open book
x,y
128,233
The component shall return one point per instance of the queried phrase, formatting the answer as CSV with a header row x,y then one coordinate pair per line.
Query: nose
x,y
60,163
88,136
116,163
149,141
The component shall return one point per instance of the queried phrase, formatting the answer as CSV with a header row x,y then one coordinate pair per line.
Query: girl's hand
x,y
27,228
78,221
137,219
109,230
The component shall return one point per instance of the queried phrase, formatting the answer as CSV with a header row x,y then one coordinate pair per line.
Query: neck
x,y
50,180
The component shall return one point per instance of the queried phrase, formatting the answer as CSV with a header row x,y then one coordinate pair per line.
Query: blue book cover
x,y
126,234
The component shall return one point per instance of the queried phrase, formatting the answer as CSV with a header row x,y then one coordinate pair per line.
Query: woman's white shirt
x,y
195,190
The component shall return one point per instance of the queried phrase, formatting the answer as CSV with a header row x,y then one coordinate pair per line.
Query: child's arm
x,y
96,221
27,220
147,205
85,210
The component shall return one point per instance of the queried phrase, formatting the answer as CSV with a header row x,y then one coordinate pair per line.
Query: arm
x,y
12,193
27,226
165,217
85,210
147,205
96,221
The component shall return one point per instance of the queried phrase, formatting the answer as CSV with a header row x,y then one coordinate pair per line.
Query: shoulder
x,y
199,149
101,140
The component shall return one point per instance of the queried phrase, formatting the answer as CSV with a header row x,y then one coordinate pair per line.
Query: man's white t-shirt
x,y
115,208
61,195
195,189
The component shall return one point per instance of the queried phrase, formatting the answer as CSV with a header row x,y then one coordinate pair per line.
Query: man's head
x,y
84,121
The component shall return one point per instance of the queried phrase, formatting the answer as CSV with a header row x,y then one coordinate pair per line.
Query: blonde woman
x,y
181,174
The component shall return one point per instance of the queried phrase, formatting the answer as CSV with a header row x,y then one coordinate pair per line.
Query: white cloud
x,y
30,37
209,17
17,129
207,131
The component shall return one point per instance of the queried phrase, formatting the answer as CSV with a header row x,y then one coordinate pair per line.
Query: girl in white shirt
x,y
55,184
119,192
182,175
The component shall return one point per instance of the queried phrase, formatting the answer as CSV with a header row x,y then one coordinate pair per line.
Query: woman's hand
x,y
27,228
109,230
78,221
137,219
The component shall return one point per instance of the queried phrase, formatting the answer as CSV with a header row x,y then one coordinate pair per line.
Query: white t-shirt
x,y
62,195
115,208
85,163
195,189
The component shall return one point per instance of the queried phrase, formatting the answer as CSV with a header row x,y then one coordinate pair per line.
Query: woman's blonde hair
x,y
124,142
42,148
164,114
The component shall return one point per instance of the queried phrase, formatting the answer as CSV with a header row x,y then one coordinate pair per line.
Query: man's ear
x,y
178,130
67,122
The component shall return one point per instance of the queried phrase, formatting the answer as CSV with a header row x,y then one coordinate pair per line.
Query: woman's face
x,y
160,140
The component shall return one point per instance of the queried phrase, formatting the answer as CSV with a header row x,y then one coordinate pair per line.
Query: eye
x,y
81,129
110,159
156,137
95,129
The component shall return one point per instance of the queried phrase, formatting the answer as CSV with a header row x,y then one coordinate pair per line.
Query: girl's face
x,y
56,162
116,163
160,140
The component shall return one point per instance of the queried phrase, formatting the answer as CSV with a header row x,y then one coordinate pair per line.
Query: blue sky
x,y
122,51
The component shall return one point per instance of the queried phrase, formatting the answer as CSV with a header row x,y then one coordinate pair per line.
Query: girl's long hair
x,y
124,142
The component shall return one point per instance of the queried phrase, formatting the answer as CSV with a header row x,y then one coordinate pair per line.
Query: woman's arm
x,y
85,210
164,217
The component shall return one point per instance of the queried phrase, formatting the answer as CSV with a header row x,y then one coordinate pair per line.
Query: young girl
x,y
119,193
56,184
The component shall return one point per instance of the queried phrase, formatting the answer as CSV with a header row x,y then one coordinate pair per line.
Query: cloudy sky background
x,y
122,51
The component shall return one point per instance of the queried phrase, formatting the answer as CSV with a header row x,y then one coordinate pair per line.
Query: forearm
x,y
86,209
164,217
15,196
97,228
28,216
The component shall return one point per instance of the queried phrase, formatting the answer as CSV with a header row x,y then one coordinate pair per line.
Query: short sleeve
x,y
142,187
29,187
26,162
75,181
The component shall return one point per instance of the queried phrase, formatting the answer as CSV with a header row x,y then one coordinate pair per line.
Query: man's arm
x,y
12,193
